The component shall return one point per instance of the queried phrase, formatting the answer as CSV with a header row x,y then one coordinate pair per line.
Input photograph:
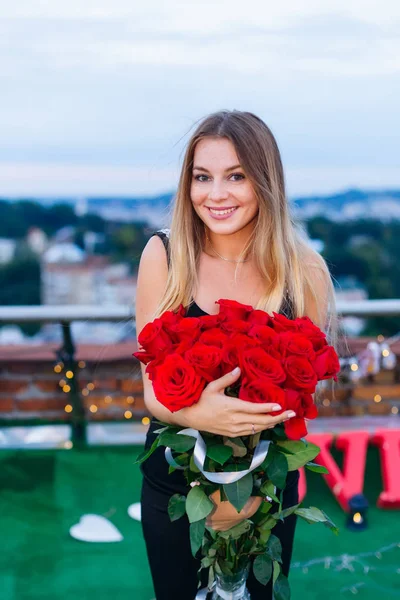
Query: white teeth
x,y
222,212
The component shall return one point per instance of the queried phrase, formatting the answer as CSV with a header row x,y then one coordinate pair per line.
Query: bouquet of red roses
x,y
281,362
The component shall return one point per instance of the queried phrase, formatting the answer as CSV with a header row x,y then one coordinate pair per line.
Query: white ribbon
x,y
199,457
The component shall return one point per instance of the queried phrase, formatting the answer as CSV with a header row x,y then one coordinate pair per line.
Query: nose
x,y
218,191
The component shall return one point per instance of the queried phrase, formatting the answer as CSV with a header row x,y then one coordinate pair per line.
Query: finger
x,y
244,407
222,382
262,422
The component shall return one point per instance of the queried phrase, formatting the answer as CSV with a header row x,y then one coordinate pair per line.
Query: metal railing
x,y
65,315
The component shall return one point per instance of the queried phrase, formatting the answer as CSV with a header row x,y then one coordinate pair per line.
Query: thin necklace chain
x,y
223,257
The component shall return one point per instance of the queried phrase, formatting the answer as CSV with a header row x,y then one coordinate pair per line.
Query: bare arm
x,y
151,281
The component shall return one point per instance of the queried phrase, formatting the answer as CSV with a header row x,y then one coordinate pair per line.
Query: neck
x,y
230,246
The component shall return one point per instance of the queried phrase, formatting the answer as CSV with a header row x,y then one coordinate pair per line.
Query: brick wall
x,y
31,389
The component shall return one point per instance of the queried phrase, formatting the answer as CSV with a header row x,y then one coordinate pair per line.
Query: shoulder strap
x,y
164,235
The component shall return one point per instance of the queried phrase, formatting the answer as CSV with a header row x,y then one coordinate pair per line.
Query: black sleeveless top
x,y
155,468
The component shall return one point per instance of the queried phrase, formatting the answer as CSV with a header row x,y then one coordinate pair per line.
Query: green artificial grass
x,y
45,492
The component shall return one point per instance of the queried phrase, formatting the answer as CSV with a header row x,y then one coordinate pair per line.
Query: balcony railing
x,y
65,315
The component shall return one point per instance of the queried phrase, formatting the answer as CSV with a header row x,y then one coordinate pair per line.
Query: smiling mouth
x,y
222,211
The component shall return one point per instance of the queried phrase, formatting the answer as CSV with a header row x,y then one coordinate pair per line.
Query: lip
x,y
221,217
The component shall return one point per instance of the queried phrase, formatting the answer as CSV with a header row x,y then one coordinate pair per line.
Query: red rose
x,y
176,383
188,328
304,407
262,390
143,357
210,321
214,337
231,309
264,334
300,374
233,349
206,360
281,323
256,363
326,363
235,326
295,343
169,320
259,317
316,336
153,338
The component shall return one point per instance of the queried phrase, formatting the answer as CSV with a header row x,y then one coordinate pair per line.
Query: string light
x,y
354,367
85,392
62,382
395,410
385,352
69,374
93,408
128,414
66,388
81,364
326,402
57,369
68,445
108,399
130,399
145,420
380,338
68,408
90,386
377,398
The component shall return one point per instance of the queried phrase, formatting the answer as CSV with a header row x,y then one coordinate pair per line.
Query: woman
x,y
231,236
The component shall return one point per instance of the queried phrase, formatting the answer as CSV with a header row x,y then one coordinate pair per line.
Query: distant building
x,y
70,276
7,250
349,289
37,240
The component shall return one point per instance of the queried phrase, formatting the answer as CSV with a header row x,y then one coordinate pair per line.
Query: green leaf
x,y
220,453
278,469
192,465
239,492
277,570
236,531
180,443
274,548
176,507
288,511
303,452
281,588
237,445
268,489
146,453
311,466
262,568
198,505
265,534
315,515
196,535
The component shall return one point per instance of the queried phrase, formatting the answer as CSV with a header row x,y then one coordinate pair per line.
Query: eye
x,y
237,175
197,177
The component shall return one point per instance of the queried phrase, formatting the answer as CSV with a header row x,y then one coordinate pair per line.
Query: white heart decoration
x,y
94,528
135,511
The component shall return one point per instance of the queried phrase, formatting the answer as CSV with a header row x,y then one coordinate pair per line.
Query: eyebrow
x,y
207,171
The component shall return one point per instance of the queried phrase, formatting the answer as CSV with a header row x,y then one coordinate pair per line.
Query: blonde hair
x,y
286,261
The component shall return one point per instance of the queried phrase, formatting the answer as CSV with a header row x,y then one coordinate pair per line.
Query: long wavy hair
x,y
288,264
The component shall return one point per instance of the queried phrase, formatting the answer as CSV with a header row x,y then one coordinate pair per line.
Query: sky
x,y
100,98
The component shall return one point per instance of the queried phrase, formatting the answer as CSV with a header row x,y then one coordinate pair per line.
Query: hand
x,y
220,414
224,515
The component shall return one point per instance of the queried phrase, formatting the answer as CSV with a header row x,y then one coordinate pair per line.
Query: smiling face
x,y
221,194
